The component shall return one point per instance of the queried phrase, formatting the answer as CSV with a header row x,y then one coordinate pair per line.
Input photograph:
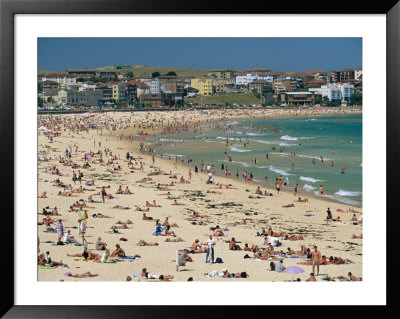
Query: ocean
x,y
291,145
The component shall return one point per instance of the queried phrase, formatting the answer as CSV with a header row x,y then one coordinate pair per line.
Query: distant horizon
x,y
276,54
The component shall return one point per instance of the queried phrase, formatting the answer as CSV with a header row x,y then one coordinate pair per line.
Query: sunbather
x,y
145,243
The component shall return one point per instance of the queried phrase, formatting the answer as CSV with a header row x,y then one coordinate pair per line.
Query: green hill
x,y
144,70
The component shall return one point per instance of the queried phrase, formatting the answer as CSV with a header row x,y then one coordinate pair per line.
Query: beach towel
x,y
308,215
130,257
46,267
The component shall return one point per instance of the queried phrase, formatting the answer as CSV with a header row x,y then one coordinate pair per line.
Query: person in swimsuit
x,y
316,257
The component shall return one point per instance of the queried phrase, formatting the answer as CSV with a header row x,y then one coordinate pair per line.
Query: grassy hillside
x,y
248,98
142,71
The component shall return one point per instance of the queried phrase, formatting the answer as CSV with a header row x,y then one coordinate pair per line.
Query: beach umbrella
x,y
293,270
42,128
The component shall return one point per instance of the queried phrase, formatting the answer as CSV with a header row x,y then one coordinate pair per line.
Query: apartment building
x,y
260,87
297,98
204,85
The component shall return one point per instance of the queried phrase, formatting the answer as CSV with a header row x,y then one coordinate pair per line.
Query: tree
x,y
155,74
171,73
356,99
118,67
129,75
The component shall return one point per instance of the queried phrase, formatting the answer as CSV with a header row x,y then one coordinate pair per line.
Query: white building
x,y
65,79
118,92
154,86
248,78
358,74
86,97
335,92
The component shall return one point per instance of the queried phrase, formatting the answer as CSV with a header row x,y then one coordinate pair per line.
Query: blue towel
x,y
129,257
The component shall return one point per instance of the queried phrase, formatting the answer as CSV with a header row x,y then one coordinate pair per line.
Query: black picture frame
x,y
9,8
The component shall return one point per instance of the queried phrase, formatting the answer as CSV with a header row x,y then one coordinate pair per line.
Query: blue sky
x,y
277,54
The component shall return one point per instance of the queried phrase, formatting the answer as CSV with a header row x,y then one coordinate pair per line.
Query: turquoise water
x,y
318,136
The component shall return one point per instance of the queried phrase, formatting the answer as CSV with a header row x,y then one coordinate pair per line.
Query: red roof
x,y
359,69
346,70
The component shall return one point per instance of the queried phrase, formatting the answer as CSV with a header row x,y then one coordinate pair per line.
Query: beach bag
x,y
243,274
218,260
82,214
59,243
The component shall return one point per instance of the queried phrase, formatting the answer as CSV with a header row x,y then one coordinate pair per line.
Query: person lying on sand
x,y
353,278
270,232
199,215
83,205
304,200
120,207
42,261
268,193
213,192
173,240
147,209
173,197
339,261
293,237
118,251
43,195
288,205
356,236
145,243
78,190
84,275
165,194
242,274
144,179
254,197
87,255
167,223
127,222
258,255
323,261
176,203
233,245
243,222
100,215
47,221
123,226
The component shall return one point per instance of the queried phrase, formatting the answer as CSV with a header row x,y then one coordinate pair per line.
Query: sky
x,y
277,54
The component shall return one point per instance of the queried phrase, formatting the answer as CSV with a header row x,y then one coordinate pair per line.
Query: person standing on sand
x,y
210,249
295,190
321,191
316,257
60,229
82,230
103,194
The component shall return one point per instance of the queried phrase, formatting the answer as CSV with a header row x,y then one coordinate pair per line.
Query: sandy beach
x,y
109,136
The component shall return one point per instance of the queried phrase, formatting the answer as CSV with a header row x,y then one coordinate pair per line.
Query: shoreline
x,y
261,183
